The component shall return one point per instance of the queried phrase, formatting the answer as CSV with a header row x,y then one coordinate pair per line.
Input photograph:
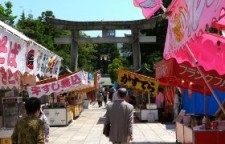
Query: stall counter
x,y
76,109
187,135
58,116
143,114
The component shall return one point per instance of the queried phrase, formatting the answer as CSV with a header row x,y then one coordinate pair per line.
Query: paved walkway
x,y
87,129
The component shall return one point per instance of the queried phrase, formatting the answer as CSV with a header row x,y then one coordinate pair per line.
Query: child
x,y
46,125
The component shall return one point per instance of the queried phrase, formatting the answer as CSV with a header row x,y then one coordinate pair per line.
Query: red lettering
x,y
17,76
55,86
46,88
65,83
3,48
4,76
11,79
35,90
75,80
12,54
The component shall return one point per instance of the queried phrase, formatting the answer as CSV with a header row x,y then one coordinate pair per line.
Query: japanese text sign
x,y
19,55
65,84
137,81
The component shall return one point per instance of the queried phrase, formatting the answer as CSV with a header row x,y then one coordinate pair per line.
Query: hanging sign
x,y
69,83
188,19
137,81
19,55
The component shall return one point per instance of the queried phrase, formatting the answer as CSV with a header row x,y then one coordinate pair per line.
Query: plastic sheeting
x,y
193,103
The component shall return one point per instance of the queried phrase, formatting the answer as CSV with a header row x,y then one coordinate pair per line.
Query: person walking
x,y
100,98
29,129
160,103
177,102
119,116
46,124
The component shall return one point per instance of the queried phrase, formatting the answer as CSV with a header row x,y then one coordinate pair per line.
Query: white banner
x,y
12,51
69,83
18,55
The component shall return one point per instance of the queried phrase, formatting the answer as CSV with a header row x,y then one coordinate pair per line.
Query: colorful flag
x,y
149,7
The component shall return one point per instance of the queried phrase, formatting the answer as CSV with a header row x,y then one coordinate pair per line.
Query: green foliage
x,y
44,33
6,13
117,64
87,59
105,49
152,59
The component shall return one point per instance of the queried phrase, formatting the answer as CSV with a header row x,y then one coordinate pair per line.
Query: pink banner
x,y
148,7
188,19
75,81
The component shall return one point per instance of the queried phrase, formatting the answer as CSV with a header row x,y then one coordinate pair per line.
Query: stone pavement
x,y
87,129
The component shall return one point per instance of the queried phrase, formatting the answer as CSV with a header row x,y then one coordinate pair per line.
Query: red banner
x,y
169,72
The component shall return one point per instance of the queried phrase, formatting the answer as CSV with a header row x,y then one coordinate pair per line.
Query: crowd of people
x,y
34,126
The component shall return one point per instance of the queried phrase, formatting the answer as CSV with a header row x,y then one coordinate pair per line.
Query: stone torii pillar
x,y
136,49
74,50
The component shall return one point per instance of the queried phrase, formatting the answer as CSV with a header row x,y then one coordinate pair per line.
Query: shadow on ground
x,y
101,120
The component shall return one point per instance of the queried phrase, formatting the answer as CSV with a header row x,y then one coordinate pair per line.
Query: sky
x,y
81,10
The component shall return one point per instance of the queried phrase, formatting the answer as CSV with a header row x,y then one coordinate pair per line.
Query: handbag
x,y
106,130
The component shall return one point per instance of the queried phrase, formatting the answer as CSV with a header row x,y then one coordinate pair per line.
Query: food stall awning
x,y
137,81
18,53
66,83
169,72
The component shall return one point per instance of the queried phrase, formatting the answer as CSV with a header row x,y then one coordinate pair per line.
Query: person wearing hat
x,y
119,116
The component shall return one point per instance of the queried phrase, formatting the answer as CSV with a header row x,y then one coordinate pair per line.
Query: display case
x,y
13,108
58,116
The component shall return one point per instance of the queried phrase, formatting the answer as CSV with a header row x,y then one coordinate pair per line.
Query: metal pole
x,y
205,80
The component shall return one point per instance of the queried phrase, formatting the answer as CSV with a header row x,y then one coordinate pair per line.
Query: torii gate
x,y
135,39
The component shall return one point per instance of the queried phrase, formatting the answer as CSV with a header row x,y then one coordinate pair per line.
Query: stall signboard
x,y
17,54
71,82
172,73
189,37
137,81
188,19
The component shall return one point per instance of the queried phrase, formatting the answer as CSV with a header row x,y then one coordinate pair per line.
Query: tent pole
x,y
205,80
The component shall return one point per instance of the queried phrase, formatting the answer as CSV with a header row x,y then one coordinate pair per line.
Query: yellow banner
x,y
137,81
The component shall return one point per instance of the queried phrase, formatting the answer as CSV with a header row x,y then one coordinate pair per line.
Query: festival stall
x,y
59,111
143,88
21,60
190,38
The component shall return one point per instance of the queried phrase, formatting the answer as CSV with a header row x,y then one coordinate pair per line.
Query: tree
x,y
44,33
87,56
6,13
117,64
102,50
